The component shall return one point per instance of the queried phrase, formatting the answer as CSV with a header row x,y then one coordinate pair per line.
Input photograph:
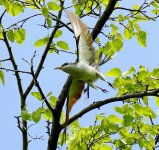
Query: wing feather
x,y
85,42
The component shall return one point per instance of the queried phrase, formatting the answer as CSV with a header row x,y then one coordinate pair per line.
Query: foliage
x,y
134,123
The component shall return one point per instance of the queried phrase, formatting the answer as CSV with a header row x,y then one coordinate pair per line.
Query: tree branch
x,y
19,123
61,22
156,139
14,64
12,70
22,21
40,66
2,16
122,98
38,86
128,9
106,14
3,60
56,127
23,100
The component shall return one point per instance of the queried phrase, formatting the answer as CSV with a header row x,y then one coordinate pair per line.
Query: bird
x,y
85,69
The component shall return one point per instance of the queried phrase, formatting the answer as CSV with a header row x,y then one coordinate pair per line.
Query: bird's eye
x,y
65,64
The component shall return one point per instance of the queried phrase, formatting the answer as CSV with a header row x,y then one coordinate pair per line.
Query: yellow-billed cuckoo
x,y
85,70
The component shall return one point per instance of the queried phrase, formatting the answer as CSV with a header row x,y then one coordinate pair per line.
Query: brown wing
x,y
85,42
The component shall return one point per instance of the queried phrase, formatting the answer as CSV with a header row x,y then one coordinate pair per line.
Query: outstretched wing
x,y
84,39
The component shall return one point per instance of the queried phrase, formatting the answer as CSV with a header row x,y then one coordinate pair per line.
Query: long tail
x,y
75,92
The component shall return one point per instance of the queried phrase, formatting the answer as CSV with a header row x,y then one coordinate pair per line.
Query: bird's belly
x,y
86,77
85,74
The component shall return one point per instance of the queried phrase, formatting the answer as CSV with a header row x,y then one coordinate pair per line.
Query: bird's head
x,y
67,67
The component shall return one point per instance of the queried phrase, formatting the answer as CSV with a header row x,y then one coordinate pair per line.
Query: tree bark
x,y
56,127
24,135
55,131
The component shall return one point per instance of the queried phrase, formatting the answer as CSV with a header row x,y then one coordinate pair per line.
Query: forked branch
x,y
98,104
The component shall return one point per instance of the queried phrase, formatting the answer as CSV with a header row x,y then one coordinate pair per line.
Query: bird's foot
x,y
111,85
103,90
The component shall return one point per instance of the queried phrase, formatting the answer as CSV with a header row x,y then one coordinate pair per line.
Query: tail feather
x,y
75,92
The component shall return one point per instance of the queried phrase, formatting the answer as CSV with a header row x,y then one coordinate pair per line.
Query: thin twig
x,y
48,127
64,51
38,85
40,66
23,20
18,122
156,139
127,9
12,70
35,138
2,16
3,60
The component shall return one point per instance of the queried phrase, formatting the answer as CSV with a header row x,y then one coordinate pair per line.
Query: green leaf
x,y
136,7
49,22
148,112
141,38
118,44
138,109
19,35
97,39
47,114
49,94
155,72
36,116
10,35
128,120
115,72
14,8
131,70
106,147
53,49
141,143
2,77
37,95
120,17
157,101
114,29
127,34
41,42
53,6
53,100
108,126
123,141
26,115
100,117
63,45
44,11
58,34
119,110
114,119
155,11
137,27
145,100
1,32
155,4
1,35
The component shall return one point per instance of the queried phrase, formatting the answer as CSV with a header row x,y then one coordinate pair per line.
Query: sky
x,y
50,80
